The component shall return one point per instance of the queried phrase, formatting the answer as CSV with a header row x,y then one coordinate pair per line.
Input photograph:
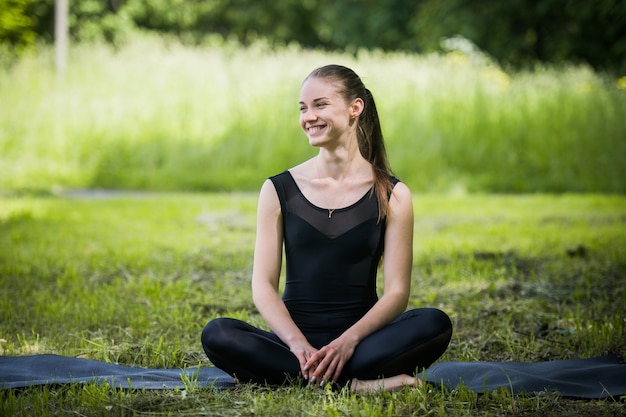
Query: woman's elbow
x,y
400,300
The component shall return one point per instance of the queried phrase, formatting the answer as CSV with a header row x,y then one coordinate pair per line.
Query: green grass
x,y
157,115
133,278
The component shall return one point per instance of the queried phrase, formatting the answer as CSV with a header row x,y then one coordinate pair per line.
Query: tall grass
x,y
155,114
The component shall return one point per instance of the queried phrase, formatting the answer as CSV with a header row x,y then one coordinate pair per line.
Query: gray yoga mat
x,y
23,371
600,377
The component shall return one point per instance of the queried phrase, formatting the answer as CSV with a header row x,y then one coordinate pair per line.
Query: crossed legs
x,y
384,360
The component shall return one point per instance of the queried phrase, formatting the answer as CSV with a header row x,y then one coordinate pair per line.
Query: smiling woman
x,y
334,214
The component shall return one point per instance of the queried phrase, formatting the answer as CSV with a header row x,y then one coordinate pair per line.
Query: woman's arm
x,y
266,274
397,264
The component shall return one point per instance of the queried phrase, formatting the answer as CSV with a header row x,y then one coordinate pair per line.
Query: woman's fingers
x,y
316,357
315,368
326,364
328,369
306,365
333,371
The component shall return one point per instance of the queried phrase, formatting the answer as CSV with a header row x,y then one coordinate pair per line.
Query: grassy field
x,y
154,114
132,279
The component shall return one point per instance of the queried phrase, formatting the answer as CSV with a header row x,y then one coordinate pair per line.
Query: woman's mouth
x,y
313,130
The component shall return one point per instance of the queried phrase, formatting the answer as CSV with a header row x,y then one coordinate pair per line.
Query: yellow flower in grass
x,y
621,83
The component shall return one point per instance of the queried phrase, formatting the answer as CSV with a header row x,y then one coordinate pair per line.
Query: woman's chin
x,y
316,141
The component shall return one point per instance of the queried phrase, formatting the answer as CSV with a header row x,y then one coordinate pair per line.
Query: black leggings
x,y
413,341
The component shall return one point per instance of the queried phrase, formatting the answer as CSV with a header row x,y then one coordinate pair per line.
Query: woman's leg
x,y
414,340
248,353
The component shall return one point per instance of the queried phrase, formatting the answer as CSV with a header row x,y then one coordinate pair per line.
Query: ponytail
x,y
372,147
369,132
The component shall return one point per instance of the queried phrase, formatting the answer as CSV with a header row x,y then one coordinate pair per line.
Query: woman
x,y
334,214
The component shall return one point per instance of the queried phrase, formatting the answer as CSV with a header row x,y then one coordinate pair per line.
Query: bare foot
x,y
393,383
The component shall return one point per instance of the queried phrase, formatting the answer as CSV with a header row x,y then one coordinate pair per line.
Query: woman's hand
x,y
304,352
327,363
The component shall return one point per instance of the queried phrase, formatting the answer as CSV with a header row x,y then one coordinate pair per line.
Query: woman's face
x,y
324,115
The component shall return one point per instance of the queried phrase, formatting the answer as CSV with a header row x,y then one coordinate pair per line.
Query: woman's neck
x,y
340,162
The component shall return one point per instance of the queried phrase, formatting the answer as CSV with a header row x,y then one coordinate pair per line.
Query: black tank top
x,y
331,263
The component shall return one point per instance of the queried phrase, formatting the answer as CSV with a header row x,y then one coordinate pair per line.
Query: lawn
x,y
132,278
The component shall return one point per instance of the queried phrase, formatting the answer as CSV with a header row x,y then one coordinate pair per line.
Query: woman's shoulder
x,y
299,174
278,177
400,189
301,171
287,182
401,196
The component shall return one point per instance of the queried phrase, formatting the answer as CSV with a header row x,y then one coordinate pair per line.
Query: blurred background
x,y
474,96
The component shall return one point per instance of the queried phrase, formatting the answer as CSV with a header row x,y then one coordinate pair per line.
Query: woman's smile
x,y
315,130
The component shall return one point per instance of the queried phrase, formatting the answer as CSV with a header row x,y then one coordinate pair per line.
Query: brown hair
x,y
369,132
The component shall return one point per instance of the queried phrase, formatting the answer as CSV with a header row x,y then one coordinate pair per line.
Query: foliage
x,y
517,32
16,24
520,33
155,114
89,20
131,278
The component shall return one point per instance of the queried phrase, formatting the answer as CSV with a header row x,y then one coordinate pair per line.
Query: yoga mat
x,y
23,371
600,377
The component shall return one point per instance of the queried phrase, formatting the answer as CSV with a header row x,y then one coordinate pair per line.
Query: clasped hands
x,y
321,366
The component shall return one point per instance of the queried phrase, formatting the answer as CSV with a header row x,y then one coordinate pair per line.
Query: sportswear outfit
x,y
332,259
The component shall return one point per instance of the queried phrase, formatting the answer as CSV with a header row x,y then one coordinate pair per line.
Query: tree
x,y
514,32
17,25
520,32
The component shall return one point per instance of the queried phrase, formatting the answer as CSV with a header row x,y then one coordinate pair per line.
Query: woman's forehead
x,y
313,88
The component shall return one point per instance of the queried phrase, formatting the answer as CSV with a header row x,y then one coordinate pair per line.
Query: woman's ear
x,y
356,108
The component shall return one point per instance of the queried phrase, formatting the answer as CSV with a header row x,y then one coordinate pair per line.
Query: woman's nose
x,y
308,115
